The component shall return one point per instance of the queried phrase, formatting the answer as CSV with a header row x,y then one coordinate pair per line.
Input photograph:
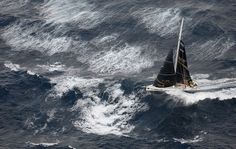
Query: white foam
x,y
102,43
20,37
113,57
17,67
222,89
105,42
109,38
57,66
162,21
65,83
194,140
64,11
98,116
127,59
31,72
11,66
44,144
108,117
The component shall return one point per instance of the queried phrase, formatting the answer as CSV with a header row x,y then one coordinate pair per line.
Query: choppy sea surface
x,y
72,74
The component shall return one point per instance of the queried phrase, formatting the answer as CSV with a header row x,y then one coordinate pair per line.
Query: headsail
x,y
182,72
166,76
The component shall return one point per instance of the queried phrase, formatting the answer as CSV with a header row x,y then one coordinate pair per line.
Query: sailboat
x,y
174,74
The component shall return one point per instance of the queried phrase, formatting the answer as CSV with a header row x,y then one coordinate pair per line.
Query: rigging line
x,y
183,65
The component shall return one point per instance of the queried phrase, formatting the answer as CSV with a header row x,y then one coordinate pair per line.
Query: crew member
x,y
192,83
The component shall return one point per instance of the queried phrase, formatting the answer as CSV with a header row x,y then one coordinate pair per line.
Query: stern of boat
x,y
150,88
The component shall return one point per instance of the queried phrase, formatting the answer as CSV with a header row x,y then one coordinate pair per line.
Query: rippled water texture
x,y
72,74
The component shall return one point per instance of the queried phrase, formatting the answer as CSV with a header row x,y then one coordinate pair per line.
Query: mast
x,y
177,49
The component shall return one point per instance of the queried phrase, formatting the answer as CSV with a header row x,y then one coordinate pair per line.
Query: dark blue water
x,y
72,74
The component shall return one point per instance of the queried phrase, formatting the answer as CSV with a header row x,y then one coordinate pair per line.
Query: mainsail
x,y
173,73
166,76
182,72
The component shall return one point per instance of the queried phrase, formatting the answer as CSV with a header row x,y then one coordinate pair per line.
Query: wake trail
x,y
221,89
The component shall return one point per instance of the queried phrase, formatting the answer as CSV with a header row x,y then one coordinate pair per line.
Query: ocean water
x,y
72,74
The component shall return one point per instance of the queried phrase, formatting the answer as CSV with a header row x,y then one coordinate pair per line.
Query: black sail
x,y
166,76
182,72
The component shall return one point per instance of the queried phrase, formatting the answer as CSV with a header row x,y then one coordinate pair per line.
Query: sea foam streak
x,y
22,37
9,5
222,89
113,57
64,11
127,59
159,20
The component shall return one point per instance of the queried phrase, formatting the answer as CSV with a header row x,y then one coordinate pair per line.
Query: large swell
x,y
72,74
